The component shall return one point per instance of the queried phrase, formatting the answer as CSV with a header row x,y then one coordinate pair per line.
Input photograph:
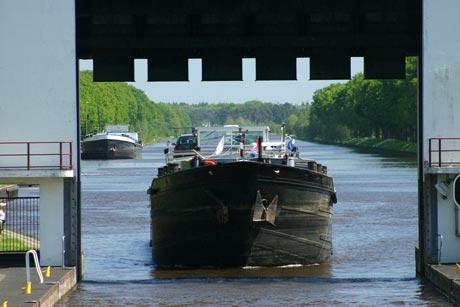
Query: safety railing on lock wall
x,y
36,155
444,152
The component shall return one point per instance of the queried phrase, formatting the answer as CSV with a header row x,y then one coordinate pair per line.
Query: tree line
x,y
366,108
246,114
358,108
103,103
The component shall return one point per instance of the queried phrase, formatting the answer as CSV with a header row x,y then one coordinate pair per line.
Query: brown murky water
x,y
374,235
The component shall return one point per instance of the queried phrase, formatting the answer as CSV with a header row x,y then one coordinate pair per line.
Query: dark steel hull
x,y
109,149
206,216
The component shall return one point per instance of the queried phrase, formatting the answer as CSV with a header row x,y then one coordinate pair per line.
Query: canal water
x,y
374,236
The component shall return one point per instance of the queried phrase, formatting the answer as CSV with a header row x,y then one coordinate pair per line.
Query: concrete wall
x,y
441,69
37,71
38,101
448,240
441,107
51,227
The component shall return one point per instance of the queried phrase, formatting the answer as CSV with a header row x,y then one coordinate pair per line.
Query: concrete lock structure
x,y
39,116
439,214
42,40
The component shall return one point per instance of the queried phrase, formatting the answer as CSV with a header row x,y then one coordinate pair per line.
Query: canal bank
x,y
446,278
389,147
374,234
13,280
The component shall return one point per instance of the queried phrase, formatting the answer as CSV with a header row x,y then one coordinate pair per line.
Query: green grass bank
x,y
378,145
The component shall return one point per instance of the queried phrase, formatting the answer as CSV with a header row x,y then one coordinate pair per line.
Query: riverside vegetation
x,y
103,103
366,113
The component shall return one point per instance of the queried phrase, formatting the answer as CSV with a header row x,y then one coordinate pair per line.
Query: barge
x,y
242,204
116,142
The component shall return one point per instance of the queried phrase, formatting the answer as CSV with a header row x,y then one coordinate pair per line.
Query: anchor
x,y
264,213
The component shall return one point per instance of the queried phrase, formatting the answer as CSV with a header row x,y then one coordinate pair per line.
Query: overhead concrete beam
x,y
276,67
206,28
222,67
385,67
330,68
168,67
113,69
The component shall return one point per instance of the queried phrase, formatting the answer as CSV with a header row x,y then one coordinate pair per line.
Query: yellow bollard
x,y
47,272
5,304
458,267
28,288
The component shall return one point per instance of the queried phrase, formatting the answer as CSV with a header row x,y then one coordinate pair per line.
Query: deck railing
x,y
444,152
36,155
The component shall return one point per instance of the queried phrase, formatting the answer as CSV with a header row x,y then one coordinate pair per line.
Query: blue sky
x,y
196,91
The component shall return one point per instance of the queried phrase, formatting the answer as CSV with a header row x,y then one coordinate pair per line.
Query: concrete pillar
x,y
51,227
441,118
38,78
39,102
441,69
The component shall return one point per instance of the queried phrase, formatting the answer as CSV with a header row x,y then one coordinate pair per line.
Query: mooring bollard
x,y
5,304
28,288
47,272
